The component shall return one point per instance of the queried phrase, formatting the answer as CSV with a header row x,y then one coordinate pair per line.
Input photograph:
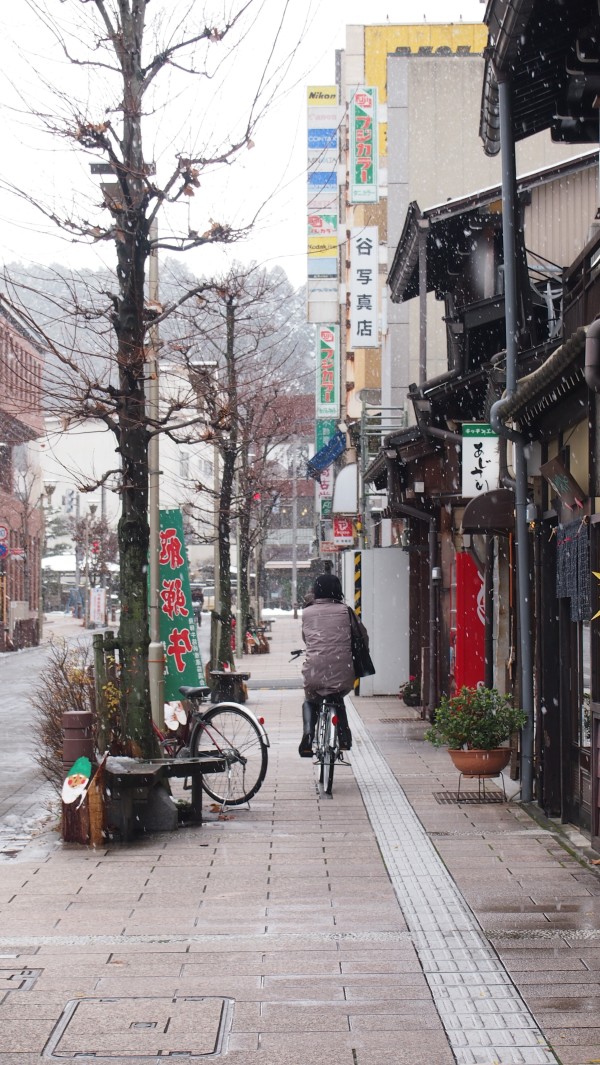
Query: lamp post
x,y
92,508
202,371
45,505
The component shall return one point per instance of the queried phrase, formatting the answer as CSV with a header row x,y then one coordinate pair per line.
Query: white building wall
x,y
78,456
385,613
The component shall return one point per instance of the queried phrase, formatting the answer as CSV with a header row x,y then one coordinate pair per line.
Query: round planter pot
x,y
481,763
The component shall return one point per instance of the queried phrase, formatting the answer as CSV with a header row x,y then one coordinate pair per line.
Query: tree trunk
x,y
225,652
245,548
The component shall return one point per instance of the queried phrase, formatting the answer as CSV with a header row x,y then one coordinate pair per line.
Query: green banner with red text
x,y
178,632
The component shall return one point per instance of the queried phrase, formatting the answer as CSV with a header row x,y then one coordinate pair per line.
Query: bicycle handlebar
x,y
296,654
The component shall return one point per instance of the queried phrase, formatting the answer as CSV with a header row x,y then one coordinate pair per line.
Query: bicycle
x,y
231,730
326,747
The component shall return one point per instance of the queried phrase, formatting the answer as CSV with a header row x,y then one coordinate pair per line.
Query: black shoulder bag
x,y
363,665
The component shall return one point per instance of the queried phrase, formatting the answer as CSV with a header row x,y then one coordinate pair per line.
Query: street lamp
x,y
92,508
203,370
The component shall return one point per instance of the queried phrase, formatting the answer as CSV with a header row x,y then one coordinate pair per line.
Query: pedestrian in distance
x,y
328,668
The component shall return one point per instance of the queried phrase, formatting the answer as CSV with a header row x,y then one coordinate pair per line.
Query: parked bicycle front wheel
x,y
229,730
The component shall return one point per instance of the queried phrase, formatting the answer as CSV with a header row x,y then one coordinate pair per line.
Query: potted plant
x,y
474,724
410,692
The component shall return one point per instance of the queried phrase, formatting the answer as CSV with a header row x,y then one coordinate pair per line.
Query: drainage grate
x,y
18,979
396,720
448,798
171,1026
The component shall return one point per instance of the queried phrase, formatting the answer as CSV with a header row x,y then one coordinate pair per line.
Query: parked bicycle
x,y
231,730
326,746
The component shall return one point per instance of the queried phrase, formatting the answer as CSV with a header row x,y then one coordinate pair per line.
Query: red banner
x,y
469,635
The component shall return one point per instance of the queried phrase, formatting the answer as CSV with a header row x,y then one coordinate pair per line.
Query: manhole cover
x,y
446,798
191,1027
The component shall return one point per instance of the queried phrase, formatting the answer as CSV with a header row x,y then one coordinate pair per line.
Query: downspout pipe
x,y
499,412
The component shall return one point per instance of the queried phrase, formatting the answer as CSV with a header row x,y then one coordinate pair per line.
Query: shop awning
x,y
490,512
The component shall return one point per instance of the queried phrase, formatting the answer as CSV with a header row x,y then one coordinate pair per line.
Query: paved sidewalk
x,y
388,925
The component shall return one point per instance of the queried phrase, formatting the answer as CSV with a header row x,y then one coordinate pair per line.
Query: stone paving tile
x,y
525,960
582,1055
371,1048
25,1036
573,996
571,1037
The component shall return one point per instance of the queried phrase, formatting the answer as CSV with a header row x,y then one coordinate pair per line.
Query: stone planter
x,y
481,763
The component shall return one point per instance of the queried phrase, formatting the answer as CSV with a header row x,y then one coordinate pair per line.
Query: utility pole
x,y
294,529
156,651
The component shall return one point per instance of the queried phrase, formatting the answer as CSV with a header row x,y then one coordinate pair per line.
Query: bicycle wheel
x,y
327,769
228,729
321,743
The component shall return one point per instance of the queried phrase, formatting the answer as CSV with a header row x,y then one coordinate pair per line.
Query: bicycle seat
x,y
195,693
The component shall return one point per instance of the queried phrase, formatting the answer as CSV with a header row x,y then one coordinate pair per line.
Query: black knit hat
x,y
327,586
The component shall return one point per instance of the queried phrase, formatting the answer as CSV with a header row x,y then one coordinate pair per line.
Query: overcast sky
x,y
275,171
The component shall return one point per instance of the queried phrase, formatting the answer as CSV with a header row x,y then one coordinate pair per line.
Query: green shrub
x,y
478,718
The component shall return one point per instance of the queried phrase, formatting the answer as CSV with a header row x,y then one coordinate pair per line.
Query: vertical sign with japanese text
x,y
325,429
322,183
328,372
364,259
183,664
480,459
364,150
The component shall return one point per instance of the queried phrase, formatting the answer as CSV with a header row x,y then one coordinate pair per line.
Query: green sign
x,y
324,430
328,372
364,151
183,664
326,508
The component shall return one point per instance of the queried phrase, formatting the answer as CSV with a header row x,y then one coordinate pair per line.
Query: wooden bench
x,y
129,784
228,685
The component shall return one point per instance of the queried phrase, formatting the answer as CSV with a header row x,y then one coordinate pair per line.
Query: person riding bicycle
x,y
327,667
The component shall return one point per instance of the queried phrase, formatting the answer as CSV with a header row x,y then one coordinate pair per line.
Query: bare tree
x,y
122,59
244,356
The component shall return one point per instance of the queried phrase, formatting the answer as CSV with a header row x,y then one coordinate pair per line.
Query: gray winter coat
x,y
327,667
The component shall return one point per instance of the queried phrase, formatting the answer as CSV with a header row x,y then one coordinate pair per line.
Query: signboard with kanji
x,y
325,428
480,459
364,151
328,372
343,532
364,258
183,664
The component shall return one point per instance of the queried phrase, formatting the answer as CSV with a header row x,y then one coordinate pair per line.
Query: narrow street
x,y
26,799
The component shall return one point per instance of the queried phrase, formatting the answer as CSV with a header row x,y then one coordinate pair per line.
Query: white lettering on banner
x,y
480,459
364,265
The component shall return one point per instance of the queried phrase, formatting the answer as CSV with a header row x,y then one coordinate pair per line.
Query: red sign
x,y
343,532
469,635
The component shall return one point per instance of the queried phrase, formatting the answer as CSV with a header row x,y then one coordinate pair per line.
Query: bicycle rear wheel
x,y
327,766
229,730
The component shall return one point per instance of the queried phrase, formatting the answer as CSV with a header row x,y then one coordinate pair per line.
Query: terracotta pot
x,y
481,763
